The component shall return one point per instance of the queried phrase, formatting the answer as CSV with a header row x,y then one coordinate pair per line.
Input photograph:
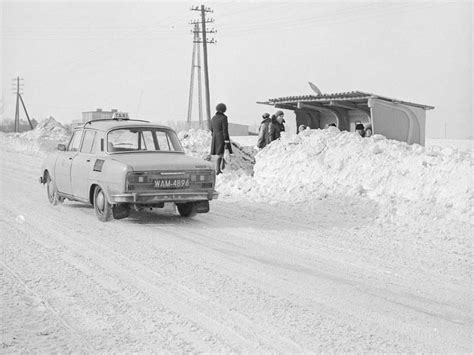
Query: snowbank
x,y
461,144
45,137
317,163
198,143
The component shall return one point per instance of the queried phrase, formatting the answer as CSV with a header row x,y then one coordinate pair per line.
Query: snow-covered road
x,y
245,277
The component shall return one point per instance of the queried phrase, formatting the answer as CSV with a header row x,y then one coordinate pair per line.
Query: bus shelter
x,y
395,119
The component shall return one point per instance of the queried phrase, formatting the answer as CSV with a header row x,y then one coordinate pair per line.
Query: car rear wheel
x,y
102,207
187,209
52,190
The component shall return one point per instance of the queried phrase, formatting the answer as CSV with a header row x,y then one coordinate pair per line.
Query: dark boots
x,y
218,166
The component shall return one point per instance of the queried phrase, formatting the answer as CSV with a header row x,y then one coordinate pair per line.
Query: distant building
x,y
235,129
98,114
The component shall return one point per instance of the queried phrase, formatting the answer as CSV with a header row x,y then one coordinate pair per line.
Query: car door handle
x,y
70,158
88,160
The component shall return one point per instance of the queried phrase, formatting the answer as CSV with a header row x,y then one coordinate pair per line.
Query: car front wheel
x,y
102,207
52,190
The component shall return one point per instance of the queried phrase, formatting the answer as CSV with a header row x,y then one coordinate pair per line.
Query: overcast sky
x,y
136,56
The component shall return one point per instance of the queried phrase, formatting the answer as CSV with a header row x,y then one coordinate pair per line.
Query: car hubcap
x,y
100,201
50,191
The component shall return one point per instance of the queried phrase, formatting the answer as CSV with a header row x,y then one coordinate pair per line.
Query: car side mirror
x,y
62,147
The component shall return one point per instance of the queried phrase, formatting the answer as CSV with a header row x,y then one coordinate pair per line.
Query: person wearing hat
x,y
263,136
359,128
220,136
368,130
276,126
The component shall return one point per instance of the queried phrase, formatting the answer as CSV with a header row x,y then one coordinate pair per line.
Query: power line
x,y
321,21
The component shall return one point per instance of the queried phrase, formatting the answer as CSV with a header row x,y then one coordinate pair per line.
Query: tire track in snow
x,y
384,298
183,300
75,334
282,292
188,328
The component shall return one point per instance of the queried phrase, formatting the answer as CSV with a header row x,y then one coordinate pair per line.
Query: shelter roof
x,y
355,97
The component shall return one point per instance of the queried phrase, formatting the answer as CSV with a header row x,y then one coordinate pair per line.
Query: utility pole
x,y
204,32
17,107
19,99
193,65
198,47
196,64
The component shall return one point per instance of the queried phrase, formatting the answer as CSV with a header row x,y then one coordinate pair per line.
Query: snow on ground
x,y
461,144
337,270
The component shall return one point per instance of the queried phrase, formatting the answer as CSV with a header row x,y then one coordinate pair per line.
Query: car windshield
x,y
143,139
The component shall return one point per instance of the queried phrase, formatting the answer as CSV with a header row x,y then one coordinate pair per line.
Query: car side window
x,y
75,141
88,141
96,146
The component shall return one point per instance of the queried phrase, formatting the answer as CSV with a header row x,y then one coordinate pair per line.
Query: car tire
x,y
102,207
186,209
52,191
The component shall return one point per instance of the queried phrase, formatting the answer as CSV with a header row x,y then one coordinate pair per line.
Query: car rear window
x,y
143,140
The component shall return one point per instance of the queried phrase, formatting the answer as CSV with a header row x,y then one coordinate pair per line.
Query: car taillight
x,y
139,182
203,179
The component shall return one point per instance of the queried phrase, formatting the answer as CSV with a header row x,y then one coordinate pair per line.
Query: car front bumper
x,y
157,197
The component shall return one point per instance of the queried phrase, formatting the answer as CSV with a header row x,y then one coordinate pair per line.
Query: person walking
x,y
220,136
263,136
276,126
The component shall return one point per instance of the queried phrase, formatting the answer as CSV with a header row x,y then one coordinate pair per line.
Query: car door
x,y
82,165
64,163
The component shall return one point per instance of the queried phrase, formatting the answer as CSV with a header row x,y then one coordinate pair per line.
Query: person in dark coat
x,y
220,136
263,136
276,126
359,128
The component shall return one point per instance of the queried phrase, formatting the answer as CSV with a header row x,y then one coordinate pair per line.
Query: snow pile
x,y
318,163
45,137
198,144
48,129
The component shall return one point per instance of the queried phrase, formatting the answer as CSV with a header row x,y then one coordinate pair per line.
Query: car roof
x,y
108,124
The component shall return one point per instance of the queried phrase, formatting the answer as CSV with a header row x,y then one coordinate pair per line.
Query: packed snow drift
x,y
317,163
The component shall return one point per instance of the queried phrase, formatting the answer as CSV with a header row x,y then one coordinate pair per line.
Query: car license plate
x,y
171,183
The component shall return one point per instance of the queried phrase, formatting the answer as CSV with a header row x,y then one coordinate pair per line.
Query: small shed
x,y
395,119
